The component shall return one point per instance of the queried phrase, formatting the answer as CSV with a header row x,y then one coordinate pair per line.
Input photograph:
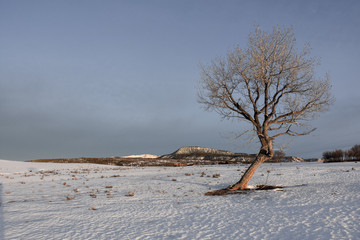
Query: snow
x,y
142,156
319,201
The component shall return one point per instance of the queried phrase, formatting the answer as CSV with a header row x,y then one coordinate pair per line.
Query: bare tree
x,y
278,156
271,85
328,155
355,152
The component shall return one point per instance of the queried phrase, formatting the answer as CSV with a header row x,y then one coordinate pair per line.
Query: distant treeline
x,y
338,155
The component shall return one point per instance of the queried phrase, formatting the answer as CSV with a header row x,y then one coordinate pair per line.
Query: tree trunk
x,y
265,153
242,183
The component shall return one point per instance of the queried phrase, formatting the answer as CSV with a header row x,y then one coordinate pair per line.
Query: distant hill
x,y
194,150
185,156
202,153
220,156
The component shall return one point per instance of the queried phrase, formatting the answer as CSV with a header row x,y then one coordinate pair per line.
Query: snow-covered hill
x,y
142,156
202,153
202,150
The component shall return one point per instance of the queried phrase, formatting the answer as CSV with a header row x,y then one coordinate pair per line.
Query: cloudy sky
x,y
113,78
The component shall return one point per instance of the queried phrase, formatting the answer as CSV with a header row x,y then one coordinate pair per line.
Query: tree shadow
x,y
227,191
2,228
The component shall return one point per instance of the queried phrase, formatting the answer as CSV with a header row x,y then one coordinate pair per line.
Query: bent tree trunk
x,y
243,182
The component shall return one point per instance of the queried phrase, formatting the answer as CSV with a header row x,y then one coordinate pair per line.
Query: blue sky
x,y
112,78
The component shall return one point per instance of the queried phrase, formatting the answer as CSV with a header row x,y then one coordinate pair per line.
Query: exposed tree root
x,y
227,191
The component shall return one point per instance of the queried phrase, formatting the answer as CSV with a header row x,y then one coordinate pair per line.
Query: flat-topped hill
x,y
202,153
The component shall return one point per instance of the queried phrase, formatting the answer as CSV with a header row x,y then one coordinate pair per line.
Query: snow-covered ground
x,y
85,201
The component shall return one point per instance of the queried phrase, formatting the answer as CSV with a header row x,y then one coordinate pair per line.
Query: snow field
x,y
86,201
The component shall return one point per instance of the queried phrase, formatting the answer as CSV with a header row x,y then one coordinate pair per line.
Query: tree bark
x,y
243,182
